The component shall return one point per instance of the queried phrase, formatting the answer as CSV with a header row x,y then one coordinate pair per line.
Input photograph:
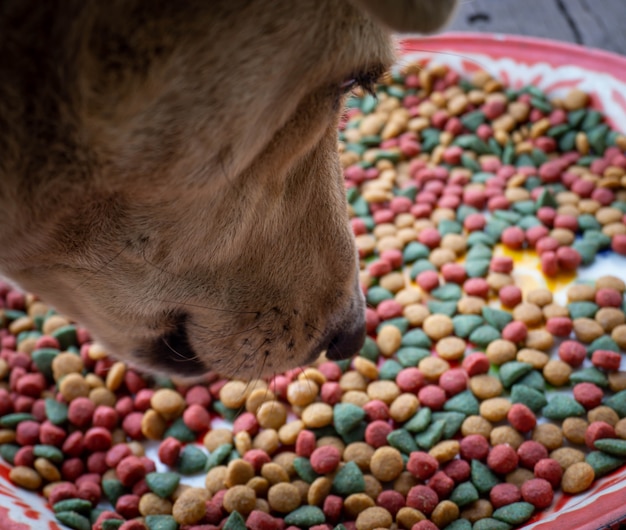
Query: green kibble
x,y
597,138
420,266
613,446
525,207
525,160
618,403
234,522
465,324
604,342
452,422
464,494
512,371
515,513
479,252
66,335
534,399
360,207
348,480
428,438
355,435
483,335
305,516
463,211
74,520
402,441
482,477
163,484
561,406
73,505
346,417
567,142
481,177
8,452
304,470
508,153
471,120
42,358
50,452
489,523
389,370
113,490
218,456
415,251
496,317
469,162
546,198
459,524
480,237
471,142
111,524
582,309
589,375
534,380
442,308
603,463
477,268
495,227
464,402
376,294
419,421
223,411
587,250
417,338
447,292
508,216
576,117
192,460
370,349
410,356
56,411
528,221
167,522
400,322
11,420
446,226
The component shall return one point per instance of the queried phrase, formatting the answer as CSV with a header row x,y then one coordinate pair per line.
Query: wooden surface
x,y
593,23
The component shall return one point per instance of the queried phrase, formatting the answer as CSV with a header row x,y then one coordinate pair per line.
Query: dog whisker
x,y
179,357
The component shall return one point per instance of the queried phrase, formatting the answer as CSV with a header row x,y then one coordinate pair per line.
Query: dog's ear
x,y
422,16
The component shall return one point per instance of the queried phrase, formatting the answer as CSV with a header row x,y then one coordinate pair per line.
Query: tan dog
x,y
169,175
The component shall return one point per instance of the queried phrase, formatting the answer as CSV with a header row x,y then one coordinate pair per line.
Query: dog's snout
x,y
346,343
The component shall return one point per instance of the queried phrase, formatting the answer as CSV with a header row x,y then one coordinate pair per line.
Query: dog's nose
x,y
346,343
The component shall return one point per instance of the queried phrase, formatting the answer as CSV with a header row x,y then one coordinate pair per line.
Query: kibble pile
x,y
444,419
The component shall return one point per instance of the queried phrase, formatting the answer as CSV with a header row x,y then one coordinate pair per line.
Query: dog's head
x,y
172,176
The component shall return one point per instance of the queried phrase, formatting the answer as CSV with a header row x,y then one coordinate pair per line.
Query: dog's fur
x,y
169,175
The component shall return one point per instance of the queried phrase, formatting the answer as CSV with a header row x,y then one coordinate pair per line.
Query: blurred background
x,y
592,23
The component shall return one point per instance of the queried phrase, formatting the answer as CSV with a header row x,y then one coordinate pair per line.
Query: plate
x,y
555,68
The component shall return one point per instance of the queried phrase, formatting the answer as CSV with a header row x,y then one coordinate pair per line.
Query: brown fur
x,y
169,176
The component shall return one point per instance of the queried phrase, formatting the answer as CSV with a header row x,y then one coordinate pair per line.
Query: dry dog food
x,y
443,419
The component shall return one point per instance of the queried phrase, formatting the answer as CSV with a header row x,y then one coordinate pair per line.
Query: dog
x,y
169,175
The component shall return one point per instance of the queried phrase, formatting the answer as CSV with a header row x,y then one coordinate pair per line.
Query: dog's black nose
x,y
346,343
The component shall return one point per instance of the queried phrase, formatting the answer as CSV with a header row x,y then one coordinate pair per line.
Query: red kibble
x,y
474,221
410,379
23,403
513,237
393,256
568,258
432,396
538,492
134,382
598,430
80,411
547,244
73,444
515,331
474,447
90,491
305,443
377,409
72,468
197,418
424,524
422,465
96,463
25,456
169,451
549,263
510,295
474,197
449,201
130,470
137,524
550,470
143,398
88,477
607,297
31,385
427,280
551,171
442,484
498,202
494,108
453,273
97,439
618,244
504,494
105,417
262,521
325,459
606,359
124,406
391,501
502,459
603,195
502,264
559,326
476,287
429,237
132,425
452,155
422,498
458,470
531,452
570,222
51,434
119,451
246,422
27,432
198,395
331,392
572,352
61,492
332,508
476,363
371,320
453,381
376,433
588,395
379,268
535,233
521,417
6,404
388,309
257,457
128,506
